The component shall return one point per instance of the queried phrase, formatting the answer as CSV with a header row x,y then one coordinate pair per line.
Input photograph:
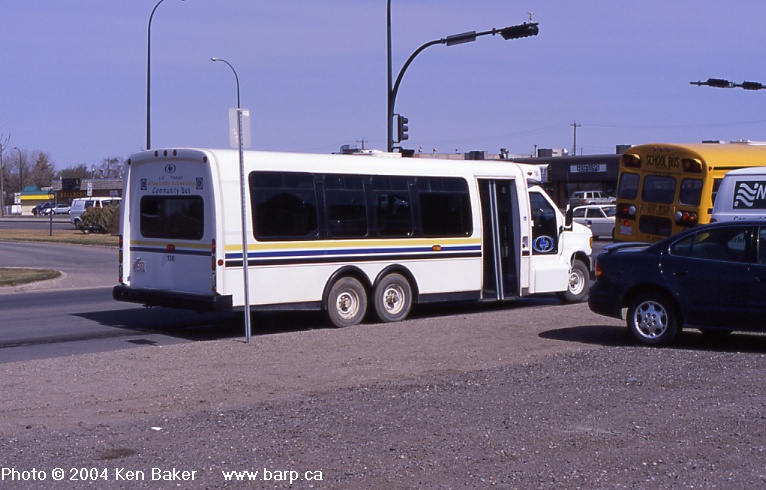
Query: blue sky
x,y
313,74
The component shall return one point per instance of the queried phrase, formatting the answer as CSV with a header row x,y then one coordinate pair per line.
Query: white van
x,y
742,195
82,204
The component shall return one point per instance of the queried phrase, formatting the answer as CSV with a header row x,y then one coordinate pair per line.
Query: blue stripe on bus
x,y
355,252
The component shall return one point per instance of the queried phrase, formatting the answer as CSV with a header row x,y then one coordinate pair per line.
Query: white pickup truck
x,y
581,198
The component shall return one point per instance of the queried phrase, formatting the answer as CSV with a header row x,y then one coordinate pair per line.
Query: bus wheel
x,y
579,279
346,302
393,298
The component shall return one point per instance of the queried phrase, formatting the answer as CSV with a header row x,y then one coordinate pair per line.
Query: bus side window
x,y
346,206
284,206
393,212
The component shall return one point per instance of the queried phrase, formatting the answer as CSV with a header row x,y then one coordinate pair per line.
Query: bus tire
x,y
346,302
578,285
393,298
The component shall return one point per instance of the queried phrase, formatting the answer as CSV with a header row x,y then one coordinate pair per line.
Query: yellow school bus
x,y
666,188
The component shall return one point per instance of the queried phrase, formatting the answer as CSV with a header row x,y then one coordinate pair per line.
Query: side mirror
x,y
568,217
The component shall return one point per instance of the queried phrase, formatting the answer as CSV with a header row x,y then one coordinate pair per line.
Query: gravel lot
x,y
470,399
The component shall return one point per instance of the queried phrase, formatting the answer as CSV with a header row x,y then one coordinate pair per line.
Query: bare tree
x,y
109,168
4,140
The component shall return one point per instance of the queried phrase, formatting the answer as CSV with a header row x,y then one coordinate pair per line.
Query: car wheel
x,y
346,302
579,283
652,319
393,298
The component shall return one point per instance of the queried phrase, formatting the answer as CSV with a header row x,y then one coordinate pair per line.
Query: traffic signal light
x,y
402,128
522,30
718,83
752,86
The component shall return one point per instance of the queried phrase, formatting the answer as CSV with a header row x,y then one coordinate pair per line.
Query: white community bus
x,y
339,232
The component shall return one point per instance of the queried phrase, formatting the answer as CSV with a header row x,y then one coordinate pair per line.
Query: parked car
x,y
59,208
37,210
581,198
599,218
712,277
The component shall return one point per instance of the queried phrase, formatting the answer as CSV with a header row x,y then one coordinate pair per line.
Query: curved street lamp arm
x,y
395,90
239,106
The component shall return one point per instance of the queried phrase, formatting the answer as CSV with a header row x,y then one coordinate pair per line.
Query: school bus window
x,y
628,186
691,192
659,189
173,217
284,204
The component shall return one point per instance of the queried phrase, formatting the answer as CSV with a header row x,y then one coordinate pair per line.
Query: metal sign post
x,y
242,139
242,113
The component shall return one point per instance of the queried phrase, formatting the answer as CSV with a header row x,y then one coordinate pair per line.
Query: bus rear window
x,y
659,189
173,217
628,186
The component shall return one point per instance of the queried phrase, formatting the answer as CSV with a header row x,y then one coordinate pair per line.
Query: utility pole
x,y
575,126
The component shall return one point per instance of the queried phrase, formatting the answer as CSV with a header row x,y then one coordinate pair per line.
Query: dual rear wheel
x,y
346,302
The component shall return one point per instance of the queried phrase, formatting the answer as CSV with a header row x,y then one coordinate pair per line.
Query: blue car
x,y
711,277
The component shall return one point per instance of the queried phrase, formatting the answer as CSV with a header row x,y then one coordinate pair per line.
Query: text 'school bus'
x,y
666,188
339,232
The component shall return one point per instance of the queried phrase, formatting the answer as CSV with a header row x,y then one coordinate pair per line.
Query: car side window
x,y
579,213
728,244
595,213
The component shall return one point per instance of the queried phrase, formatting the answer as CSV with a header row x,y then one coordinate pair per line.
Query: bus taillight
x,y
631,161
685,218
691,165
625,211
212,255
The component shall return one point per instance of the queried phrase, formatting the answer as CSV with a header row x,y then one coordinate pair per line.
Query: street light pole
x,y
149,78
245,258
510,32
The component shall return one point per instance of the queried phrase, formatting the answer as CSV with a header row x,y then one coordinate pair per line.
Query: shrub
x,y
102,220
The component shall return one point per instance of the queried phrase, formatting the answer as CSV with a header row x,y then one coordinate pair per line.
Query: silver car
x,y
599,218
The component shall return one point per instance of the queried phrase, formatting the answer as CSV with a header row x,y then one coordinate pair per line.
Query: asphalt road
x,y
75,314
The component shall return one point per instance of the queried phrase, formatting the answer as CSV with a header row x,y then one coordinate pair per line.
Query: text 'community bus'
x,y
340,232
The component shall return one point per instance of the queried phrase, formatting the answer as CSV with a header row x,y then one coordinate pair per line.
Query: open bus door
x,y
501,254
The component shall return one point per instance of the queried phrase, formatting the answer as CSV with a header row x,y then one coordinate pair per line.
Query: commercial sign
x,y
587,168
750,195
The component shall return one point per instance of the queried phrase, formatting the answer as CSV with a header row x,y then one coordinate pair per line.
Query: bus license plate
x,y
626,230
139,266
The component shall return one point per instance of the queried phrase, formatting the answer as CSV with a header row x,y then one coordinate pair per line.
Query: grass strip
x,y
12,276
